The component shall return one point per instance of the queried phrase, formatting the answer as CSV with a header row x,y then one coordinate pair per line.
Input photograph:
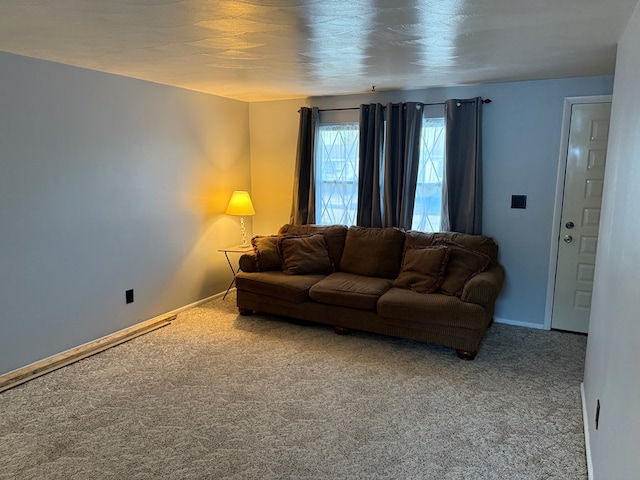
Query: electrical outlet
x,y
597,413
128,295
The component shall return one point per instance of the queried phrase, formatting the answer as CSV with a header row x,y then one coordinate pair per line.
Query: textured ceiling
x,y
271,49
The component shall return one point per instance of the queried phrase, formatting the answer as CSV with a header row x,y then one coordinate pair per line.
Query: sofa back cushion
x,y
373,252
334,234
478,243
304,254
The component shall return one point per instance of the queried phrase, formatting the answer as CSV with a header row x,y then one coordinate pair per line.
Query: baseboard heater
x,y
34,370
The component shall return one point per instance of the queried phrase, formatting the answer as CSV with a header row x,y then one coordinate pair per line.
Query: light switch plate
x,y
518,201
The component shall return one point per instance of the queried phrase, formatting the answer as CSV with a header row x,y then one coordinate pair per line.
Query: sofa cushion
x,y
477,243
266,252
247,263
334,234
404,307
277,284
373,252
349,290
414,238
304,254
423,268
463,264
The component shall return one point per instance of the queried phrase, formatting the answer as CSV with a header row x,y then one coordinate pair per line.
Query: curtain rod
x,y
486,100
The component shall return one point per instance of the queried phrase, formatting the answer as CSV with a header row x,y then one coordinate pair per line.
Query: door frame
x,y
569,102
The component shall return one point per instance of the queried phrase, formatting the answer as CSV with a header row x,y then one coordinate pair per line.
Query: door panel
x,y
580,219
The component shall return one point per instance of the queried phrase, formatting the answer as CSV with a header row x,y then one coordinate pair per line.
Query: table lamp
x,y
240,205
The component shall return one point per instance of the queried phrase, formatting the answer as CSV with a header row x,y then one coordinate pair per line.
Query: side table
x,y
235,249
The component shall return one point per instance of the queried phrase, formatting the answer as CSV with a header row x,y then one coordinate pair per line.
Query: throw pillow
x,y
463,265
304,254
266,250
333,234
373,252
423,268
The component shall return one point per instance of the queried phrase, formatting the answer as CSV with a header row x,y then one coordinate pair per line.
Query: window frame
x,y
431,222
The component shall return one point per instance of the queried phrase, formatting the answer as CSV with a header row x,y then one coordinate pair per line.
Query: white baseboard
x,y
517,323
198,303
587,438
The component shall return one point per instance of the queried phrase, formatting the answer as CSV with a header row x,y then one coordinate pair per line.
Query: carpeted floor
x,y
219,396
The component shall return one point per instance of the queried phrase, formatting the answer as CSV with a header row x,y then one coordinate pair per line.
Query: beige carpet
x,y
219,396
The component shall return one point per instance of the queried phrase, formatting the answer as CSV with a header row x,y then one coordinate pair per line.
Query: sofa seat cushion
x,y
405,307
294,288
349,290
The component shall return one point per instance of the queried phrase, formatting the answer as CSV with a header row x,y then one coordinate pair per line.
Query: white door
x,y
580,218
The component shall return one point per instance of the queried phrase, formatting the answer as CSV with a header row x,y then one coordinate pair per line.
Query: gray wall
x,y
613,355
108,184
522,130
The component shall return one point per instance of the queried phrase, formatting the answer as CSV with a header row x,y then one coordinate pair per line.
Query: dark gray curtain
x,y
402,157
370,153
303,209
388,164
462,188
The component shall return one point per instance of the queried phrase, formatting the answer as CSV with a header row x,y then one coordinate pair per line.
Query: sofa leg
x,y
466,354
244,311
341,330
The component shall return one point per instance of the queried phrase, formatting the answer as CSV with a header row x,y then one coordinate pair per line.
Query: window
x,y
337,173
336,162
427,210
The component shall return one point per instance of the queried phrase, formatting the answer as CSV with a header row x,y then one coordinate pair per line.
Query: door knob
x,y
568,239
569,225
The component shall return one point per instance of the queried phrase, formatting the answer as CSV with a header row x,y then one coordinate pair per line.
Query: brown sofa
x,y
438,288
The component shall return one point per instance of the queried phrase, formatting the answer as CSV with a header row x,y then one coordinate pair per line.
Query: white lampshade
x,y
240,204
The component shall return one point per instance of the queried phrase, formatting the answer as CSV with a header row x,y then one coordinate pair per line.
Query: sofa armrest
x,y
483,289
248,263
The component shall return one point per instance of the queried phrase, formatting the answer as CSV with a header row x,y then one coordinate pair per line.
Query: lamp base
x,y
244,241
